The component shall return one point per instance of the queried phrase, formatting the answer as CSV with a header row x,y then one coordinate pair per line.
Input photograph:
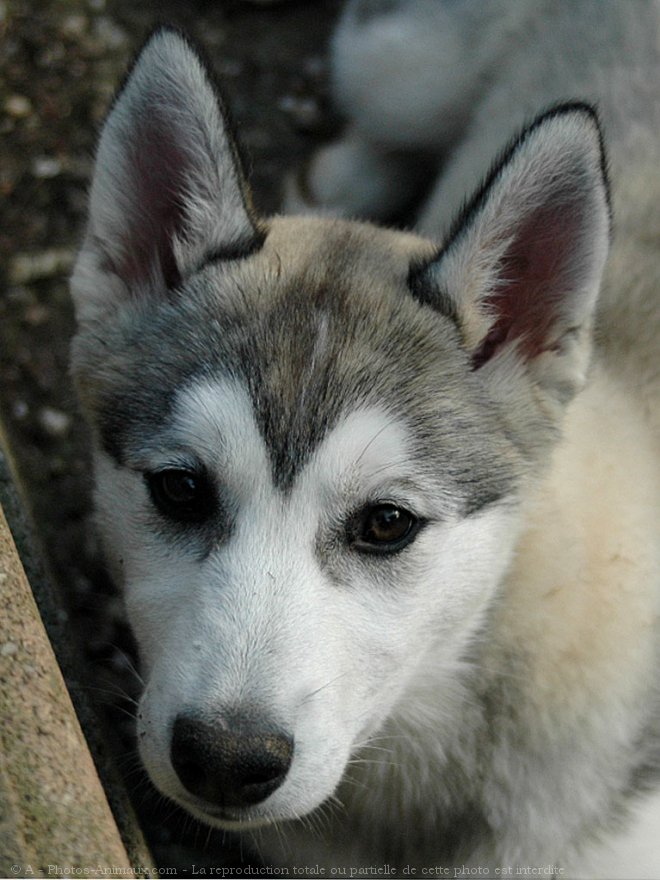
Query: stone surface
x,y
53,809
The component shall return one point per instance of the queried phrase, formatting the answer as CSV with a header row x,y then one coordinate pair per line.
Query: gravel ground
x,y
60,61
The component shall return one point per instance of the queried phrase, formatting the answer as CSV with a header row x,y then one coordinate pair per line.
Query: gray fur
x,y
128,378
515,739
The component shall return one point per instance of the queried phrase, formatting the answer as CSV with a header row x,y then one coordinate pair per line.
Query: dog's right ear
x,y
168,191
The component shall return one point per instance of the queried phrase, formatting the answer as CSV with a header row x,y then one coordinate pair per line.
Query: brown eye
x,y
181,495
383,528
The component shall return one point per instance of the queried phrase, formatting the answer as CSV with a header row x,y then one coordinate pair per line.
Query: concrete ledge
x,y
55,819
53,808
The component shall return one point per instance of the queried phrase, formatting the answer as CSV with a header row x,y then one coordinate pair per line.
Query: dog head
x,y
312,435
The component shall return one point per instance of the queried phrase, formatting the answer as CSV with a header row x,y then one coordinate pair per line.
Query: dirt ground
x,y
60,61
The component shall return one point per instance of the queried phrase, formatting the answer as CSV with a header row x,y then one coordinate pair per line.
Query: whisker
x,y
126,712
281,836
209,832
129,663
377,762
321,688
356,783
395,463
335,802
374,438
115,691
368,745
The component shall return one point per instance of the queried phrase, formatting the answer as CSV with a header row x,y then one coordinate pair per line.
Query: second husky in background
x,y
385,507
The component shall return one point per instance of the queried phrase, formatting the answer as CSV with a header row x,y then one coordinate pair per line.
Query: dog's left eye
x,y
181,495
383,528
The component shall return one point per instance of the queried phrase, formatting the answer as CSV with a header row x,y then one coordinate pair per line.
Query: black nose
x,y
230,764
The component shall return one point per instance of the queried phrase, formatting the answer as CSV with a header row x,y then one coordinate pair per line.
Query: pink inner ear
x,y
535,277
156,211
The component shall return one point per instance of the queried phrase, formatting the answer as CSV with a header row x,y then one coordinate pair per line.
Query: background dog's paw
x,y
351,178
298,199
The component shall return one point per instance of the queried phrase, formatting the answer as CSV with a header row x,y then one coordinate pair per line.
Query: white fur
x,y
229,631
632,855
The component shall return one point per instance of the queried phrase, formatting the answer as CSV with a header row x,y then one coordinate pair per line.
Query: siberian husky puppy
x,y
384,506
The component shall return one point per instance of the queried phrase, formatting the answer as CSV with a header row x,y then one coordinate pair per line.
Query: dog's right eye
x,y
181,495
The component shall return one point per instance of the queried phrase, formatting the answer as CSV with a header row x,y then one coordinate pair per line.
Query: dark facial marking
x,y
310,352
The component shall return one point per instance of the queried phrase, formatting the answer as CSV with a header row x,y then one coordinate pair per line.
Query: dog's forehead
x,y
216,417
316,325
328,326
343,249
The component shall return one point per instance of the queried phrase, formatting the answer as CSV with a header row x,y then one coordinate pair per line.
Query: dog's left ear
x,y
168,190
521,272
